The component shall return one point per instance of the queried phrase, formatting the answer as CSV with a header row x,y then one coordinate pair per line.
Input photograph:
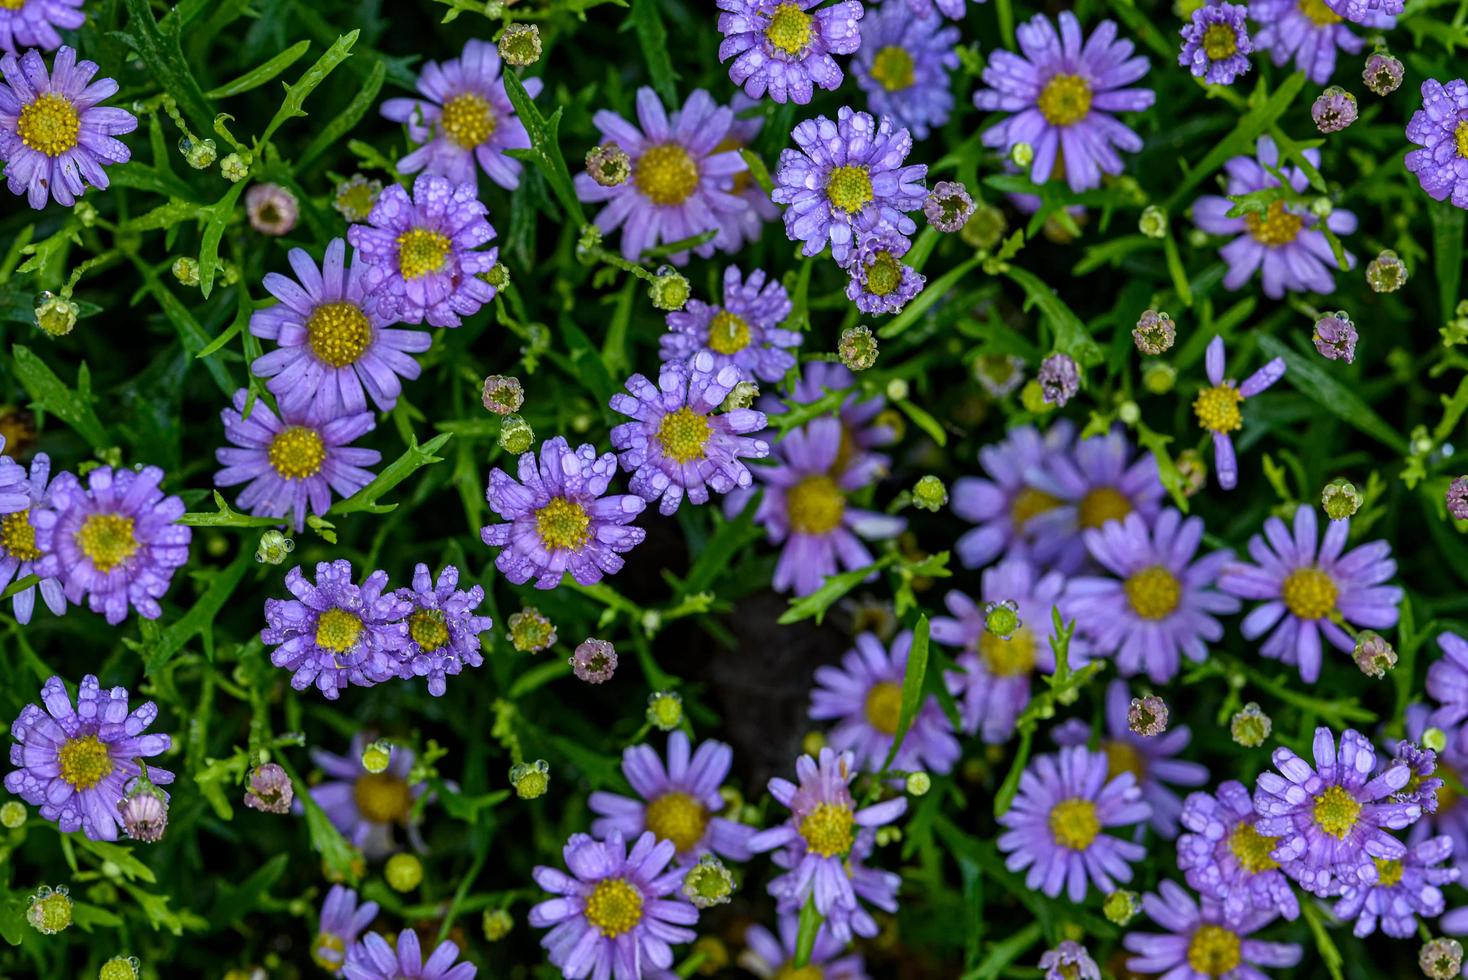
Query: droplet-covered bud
x,y
918,783
985,228
120,968
1457,498
1334,110
502,395
1340,499
594,661
742,395
1059,378
56,315
516,435
355,197
669,291
929,493
1441,958
1147,716
608,164
1322,207
530,631
1159,377
270,789
274,548
199,152
50,909
233,168
186,270
1386,273
1022,155
404,872
1001,618
496,924
1121,907
1154,332
948,206
1032,398
1251,726
497,275
1153,222
1373,654
708,883
1435,739
1335,337
530,779
13,815
144,812
664,710
520,45
1383,73
377,756
857,348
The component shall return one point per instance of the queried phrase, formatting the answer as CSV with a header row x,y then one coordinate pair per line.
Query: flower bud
x,y
355,197
1340,499
270,789
404,872
669,291
1383,73
531,632
742,395
233,168
1154,332
1441,959
929,493
918,783
1121,907
1032,398
273,548
985,228
708,883
502,395
50,910
121,968
13,815
948,206
530,779
1335,337
1001,619
594,661
1457,498
1251,726
272,209
186,270
1147,716
377,756
857,348
812,743
1158,377
1386,273
516,435
1334,110
664,710
144,812
56,315
999,374
496,924
520,45
1022,155
1435,739
1059,378
608,165
199,152
1192,469
497,275
1153,222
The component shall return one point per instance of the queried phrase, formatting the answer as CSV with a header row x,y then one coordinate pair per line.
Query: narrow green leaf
x,y
342,122
1071,336
121,856
822,599
411,461
1447,253
295,95
167,65
805,934
190,333
1240,142
264,73
718,552
1010,787
653,38
217,220
913,679
545,151
932,293
923,420
757,169
227,516
1311,380
1005,952
51,394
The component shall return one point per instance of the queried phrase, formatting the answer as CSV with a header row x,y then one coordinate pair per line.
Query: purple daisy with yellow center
x,y
1216,43
903,66
368,807
782,48
744,331
1226,859
33,23
1440,128
1218,407
21,494
341,921
1007,498
1310,32
1199,944
377,958
443,632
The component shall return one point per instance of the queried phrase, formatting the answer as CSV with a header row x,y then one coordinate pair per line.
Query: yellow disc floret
x,y
883,705
1252,849
1074,823
563,523
1460,139
1319,13
728,333
789,29
1388,873
107,540
828,829
338,630
84,762
18,537
1214,951
1153,592
683,434
1219,42
1065,100
849,188
666,174
1309,593
1275,227
1102,505
1008,658
1335,811
884,274
1029,503
468,120
297,452
428,629
614,907
49,125
338,333
679,818
815,505
892,67
422,252
382,797
1217,408
1123,757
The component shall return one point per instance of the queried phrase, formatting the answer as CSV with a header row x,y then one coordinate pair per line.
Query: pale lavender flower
x,y
1335,337
1227,860
341,921
1308,31
903,66
780,48
1199,944
745,331
1218,407
272,209
1333,110
1008,497
33,23
1404,889
771,958
21,495
1383,74
367,807
270,789
374,958
593,661
1069,961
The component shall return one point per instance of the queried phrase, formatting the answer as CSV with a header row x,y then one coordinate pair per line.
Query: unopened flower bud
x,y
1158,377
664,710
1386,273
186,270
1373,654
1457,498
1334,110
1001,618
929,493
857,348
1022,155
1032,399
1154,332
377,756
270,789
1435,739
355,197
1335,337
669,291
497,275
1383,73
1340,499
404,872
1121,907
812,743
1251,726
1322,207
1059,378
516,435
121,968
13,815
56,315
985,228
272,209
199,152
502,395
520,45
273,548
918,783
233,168
530,779
496,924
948,206
608,164
742,395
530,631
1153,222
1441,959
50,910
1147,716
708,883
144,812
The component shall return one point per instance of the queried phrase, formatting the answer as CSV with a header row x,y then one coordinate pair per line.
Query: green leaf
x,y
342,122
1007,951
757,169
545,149
226,516
326,840
832,589
166,63
1311,380
717,554
923,420
190,333
1071,336
121,856
805,934
216,219
295,95
203,613
264,73
1010,787
653,38
1167,471
1447,253
414,458
932,293
234,902
50,393
912,688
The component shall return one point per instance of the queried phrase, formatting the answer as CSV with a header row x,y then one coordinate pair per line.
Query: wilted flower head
x,y
270,789
502,395
520,44
1154,332
144,813
1457,498
608,164
858,348
1059,378
516,435
1147,716
1334,110
1383,73
948,206
1340,499
1373,654
1441,958
1250,726
1335,337
273,209
355,197
1386,273
530,631
594,661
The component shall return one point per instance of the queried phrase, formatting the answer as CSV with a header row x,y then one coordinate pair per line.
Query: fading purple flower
x,y
559,518
21,495
33,23
681,184
880,282
1440,127
1404,889
443,632
292,461
1302,587
744,332
1455,498
1217,407
771,958
1383,74
845,180
593,661
464,116
272,209
270,789
1335,337
76,763
1069,961
948,207
1447,812
342,919
781,49
1007,498
1216,43
1308,31
1059,378
374,958
424,251
335,633
1227,860
748,224
55,137
1283,243
114,540
1333,110
367,806
903,66
1062,91
144,813
1199,945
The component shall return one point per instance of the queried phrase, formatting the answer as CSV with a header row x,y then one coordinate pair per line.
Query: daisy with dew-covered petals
x,y
559,517
903,66
1158,604
78,762
21,493
1216,44
55,139
1226,859
366,807
616,913
334,346
845,179
1444,809
1062,92
292,461
1330,822
1366,12
115,540
952,9
680,801
375,958
744,332
772,958
1310,32
1004,500
1218,407
780,48
1055,824
443,632
463,117
1440,128
342,919
1199,944
33,23
880,282
1301,588
680,185
1405,888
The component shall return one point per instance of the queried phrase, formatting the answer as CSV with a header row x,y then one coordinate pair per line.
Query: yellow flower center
x,y
815,505
428,629
18,537
1336,811
1214,950
614,907
421,252
828,829
1252,849
1309,593
883,705
683,435
1102,505
892,68
1065,100
107,540
1446,795
884,274
728,333
50,124
1275,227
12,4
1388,873
1217,408
1219,42
297,452
84,761
329,943
666,174
1074,824
1008,658
382,797
679,818
338,630
563,524
1319,13
1123,757
792,972
1460,138
1153,592
338,333
468,120
789,29
1029,503
849,188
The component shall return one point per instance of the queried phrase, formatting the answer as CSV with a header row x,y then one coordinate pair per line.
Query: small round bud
x,y
948,206
1383,73
50,909
812,743
929,493
1250,727
144,812
355,197
1153,222
56,315
233,168
1193,469
1032,398
186,270
377,756
742,395
497,275
530,631
985,228
594,661
270,789
1001,619
1154,333
273,548
897,390
1435,739
516,435
272,209
1441,959
589,239
999,374
1457,498
857,348
708,883
1334,110
1340,499
1322,207
608,165
1022,155
1386,273
1147,716
1121,907
1335,337
13,815
520,45
888,835
918,783
669,291
120,968
530,779
664,710
1059,378
1129,412
496,924
199,152
502,395
404,872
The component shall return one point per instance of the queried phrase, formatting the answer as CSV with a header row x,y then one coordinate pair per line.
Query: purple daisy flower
x,y
676,445
1404,889
613,913
367,806
1216,44
1227,860
342,919
865,696
1440,127
33,23
424,250
1069,961
681,184
903,66
55,138
464,116
846,179
781,49
374,958
77,763
1158,604
880,281
334,348
1055,824
443,632
1217,407
745,332
1331,820
1446,812
861,434
771,958
114,540
1283,243
558,517
1366,11
824,825
292,460
1447,680
994,683
746,225
1302,588
871,886
1004,501
335,633
1310,32
1062,93
679,802
952,9
805,508
1199,944
22,494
